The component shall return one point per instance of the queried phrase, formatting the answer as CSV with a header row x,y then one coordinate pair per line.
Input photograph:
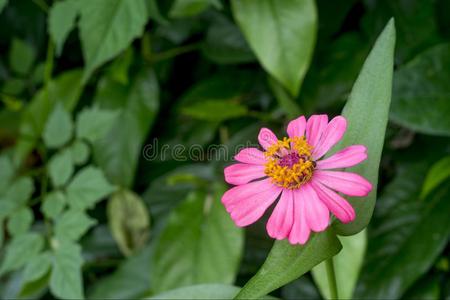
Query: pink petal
x,y
330,136
335,203
296,128
243,173
251,156
347,157
348,183
266,138
317,214
300,231
250,203
280,222
314,128
233,195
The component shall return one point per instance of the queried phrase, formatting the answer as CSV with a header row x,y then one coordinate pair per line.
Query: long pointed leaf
x,y
286,263
367,111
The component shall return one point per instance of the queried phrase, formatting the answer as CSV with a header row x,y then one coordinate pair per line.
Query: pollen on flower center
x,y
289,162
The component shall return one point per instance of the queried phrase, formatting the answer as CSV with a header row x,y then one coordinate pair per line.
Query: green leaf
x,y
65,89
93,123
202,291
200,244
128,220
154,13
120,67
53,204
367,111
38,75
286,262
33,288
188,8
21,57
20,251
416,21
282,34
20,221
408,236
225,44
421,92
61,21
214,110
37,267
61,167
80,152
88,187
427,288
6,172
18,193
285,100
118,152
330,81
438,173
72,225
130,280
347,265
14,86
3,3
59,127
65,280
102,31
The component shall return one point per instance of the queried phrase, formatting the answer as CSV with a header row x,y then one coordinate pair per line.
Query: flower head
x,y
293,171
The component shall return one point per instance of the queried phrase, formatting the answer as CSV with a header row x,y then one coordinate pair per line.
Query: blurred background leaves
x,y
85,86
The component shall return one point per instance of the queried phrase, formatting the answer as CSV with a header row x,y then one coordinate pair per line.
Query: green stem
x,y
331,276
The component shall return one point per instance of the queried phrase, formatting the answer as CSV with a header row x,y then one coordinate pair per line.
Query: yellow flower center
x,y
289,162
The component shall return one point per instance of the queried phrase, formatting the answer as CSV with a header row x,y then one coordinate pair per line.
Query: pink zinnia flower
x,y
292,170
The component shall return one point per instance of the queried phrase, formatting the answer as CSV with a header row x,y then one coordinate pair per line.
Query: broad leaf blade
x,y
93,123
117,152
20,221
439,172
58,128
205,245
53,204
286,263
421,92
202,291
65,89
88,187
367,111
130,280
128,220
282,34
21,57
102,31
72,225
409,235
65,280
61,21
20,251
37,267
61,168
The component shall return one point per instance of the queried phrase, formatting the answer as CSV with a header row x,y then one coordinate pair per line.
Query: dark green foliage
x,y
91,206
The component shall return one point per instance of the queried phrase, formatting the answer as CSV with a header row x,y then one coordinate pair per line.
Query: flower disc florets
x,y
289,162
